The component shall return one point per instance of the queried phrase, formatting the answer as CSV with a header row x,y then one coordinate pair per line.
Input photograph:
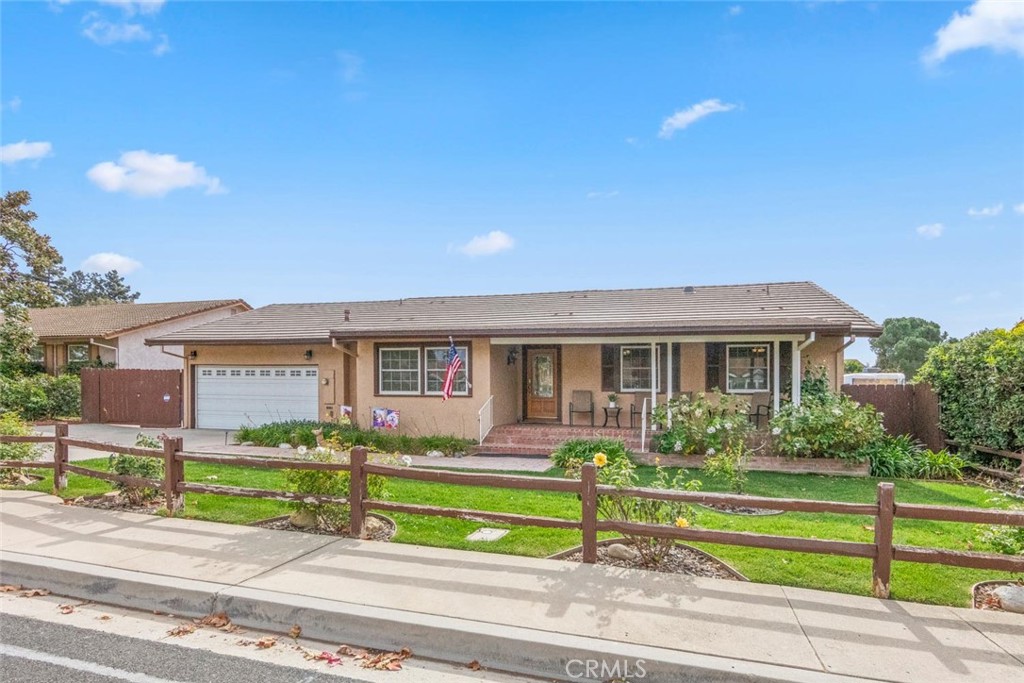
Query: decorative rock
x,y
303,519
435,454
1011,598
285,445
622,552
247,443
372,525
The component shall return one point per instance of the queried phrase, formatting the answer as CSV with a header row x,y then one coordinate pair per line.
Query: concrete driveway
x,y
195,439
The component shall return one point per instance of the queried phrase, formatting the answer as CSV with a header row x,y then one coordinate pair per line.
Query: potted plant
x,y
612,398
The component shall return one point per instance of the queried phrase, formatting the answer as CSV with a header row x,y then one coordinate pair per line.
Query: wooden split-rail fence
x,y
885,510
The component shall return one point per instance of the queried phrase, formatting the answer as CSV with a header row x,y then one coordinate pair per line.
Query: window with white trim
x,y
635,369
747,368
399,370
436,364
78,353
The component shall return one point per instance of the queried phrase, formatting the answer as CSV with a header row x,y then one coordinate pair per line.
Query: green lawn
x,y
910,581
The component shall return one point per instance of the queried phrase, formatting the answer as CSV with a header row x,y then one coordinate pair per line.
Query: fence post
x,y
174,473
588,497
356,491
60,456
881,567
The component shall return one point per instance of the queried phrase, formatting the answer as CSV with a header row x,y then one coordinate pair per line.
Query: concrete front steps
x,y
542,439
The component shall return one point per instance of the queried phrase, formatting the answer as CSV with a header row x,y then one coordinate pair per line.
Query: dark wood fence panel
x,y
909,409
148,398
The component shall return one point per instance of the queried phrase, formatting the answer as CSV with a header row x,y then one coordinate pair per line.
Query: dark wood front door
x,y
542,384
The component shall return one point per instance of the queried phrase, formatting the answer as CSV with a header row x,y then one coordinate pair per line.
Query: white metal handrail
x,y
643,425
486,418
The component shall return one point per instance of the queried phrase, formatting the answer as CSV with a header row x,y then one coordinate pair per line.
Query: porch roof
x,y
772,308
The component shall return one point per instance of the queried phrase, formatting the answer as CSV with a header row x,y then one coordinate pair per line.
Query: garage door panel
x,y
228,397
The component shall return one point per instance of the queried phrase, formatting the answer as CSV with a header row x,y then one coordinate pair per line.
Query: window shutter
x,y
609,368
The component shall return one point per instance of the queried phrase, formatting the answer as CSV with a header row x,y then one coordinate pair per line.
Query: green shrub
x,y
40,397
826,426
703,425
572,454
1008,540
978,381
330,516
730,463
304,433
939,465
621,474
138,466
12,425
893,457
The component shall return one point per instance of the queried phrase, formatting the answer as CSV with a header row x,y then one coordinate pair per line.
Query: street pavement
x,y
525,615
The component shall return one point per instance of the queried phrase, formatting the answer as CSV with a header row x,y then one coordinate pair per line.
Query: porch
x,y
542,439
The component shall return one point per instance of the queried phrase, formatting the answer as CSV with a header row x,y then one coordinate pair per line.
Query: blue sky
x,y
285,152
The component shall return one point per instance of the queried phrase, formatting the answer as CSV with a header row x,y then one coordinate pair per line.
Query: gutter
x,y
171,353
807,342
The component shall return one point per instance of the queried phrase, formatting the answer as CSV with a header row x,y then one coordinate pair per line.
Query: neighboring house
x,y
116,333
523,354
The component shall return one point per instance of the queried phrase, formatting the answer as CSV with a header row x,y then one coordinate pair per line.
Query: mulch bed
x,y
376,532
681,560
741,510
984,598
114,501
1014,488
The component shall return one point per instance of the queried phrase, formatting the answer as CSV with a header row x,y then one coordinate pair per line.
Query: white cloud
x,y
163,47
105,260
632,140
1019,208
11,105
931,231
602,195
131,7
995,24
985,211
103,32
486,245
686,117
145,174
24,151
350,66
735,11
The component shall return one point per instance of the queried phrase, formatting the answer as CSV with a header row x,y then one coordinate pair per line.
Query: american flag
x,y
454,365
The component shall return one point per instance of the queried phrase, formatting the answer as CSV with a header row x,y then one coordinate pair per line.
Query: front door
x,y
542,386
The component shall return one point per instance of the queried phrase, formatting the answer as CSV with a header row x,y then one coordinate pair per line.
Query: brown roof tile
x,y
111,320
775,307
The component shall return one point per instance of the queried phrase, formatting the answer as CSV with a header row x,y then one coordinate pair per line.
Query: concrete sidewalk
x,y
519,614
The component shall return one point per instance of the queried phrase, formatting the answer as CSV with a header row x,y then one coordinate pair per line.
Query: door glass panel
x,y
543,377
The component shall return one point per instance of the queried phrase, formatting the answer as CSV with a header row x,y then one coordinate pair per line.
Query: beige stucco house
x,y
524,354
116,333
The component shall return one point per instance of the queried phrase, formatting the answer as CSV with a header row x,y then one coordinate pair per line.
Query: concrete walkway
x,y
525,615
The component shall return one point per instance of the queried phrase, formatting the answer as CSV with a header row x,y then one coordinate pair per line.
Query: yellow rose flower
x,y
657,460
600,459
681,522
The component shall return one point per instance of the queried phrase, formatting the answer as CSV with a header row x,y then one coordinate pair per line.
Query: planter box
x,y
766,463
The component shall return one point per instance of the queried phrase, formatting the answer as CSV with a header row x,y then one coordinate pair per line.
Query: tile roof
x,y
773,307
110,320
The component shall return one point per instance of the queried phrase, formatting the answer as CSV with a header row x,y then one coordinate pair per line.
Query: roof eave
x,y
497,333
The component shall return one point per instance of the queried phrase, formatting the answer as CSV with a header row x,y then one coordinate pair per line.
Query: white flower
x,y
301,450
407,460
698,412
711,430
321,450
678,447
836,411
776,431
728,425
710,451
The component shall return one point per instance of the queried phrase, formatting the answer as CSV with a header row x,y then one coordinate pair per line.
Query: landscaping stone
x,y
247,443
373,527
435,454
302,519
620,551
1011,598
286,446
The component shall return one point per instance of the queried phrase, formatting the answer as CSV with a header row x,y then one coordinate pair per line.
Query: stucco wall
x,y
328,360
825,351
506,386
134,354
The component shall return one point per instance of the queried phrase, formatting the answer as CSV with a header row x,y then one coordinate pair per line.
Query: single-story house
x,y
524,356
116,333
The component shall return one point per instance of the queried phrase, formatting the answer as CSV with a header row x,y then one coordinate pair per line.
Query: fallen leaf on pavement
x,y
245,643
34,592
328,657
104,617
216,620
266,642
182,630
386,661
295,632
351,651
8,588
68,609
474,665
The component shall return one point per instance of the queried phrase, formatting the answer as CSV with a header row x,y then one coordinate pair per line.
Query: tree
x,y
904,344
85,289
16,342
853,365
29,264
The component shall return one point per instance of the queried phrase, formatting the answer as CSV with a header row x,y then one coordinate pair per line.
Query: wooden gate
x,y
148,398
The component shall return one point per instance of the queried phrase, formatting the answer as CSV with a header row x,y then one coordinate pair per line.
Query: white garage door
x,y
231,396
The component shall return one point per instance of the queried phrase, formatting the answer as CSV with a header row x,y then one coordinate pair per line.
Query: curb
x,y
549,655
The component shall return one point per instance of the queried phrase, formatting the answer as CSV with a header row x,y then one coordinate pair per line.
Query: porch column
x,y
776,377
795,392
668,389
654,374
